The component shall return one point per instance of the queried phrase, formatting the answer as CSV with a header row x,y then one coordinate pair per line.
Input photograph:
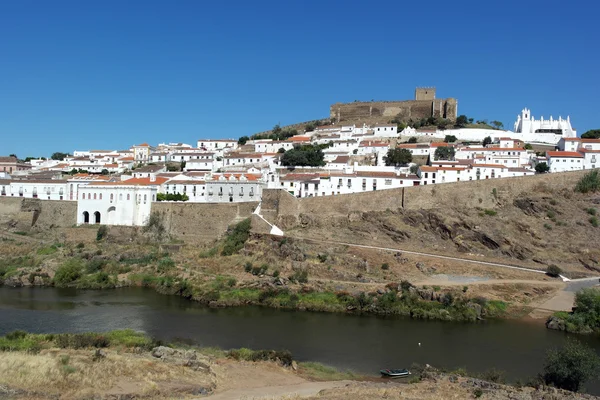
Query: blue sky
x,y
110,74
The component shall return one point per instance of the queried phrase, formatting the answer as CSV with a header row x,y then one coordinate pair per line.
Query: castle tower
x,y
425,93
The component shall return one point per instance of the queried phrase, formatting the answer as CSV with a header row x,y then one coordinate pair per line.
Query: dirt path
x,y
297,390
446,282
486,263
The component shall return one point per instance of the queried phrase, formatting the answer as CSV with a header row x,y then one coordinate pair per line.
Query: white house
x,y
233,188
116,203
217,144
560,161
141,152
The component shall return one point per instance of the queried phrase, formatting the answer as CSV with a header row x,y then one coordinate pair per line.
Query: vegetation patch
x,y
236,238
585,317
590,182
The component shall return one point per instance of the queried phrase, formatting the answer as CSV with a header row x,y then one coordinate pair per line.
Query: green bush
x,y
44,251
94,265
570,367
80,245
551,214
102,232
490,213
68,272
276,273
553,270
248,266
385,266
594,221
322,257
300,276
236,238
165,264
548,226
591,211
590,182
208,253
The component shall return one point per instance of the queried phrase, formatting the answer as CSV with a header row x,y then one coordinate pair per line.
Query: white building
x,y
116,203
217,144
561,161
233,188
141,152
549,130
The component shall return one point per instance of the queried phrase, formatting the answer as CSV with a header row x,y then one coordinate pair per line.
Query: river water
x,y
362,344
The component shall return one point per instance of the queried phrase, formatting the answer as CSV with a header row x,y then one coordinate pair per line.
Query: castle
x,y
424,105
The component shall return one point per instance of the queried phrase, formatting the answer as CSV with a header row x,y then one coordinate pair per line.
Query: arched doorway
x,y
97,217
110,215
86,217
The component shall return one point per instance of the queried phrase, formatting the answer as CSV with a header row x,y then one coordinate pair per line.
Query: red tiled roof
x,y
568,154
135,182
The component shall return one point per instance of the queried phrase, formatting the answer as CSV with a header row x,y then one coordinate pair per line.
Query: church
x,y
543,130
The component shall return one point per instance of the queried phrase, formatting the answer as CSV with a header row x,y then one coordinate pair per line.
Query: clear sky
x,y
109,74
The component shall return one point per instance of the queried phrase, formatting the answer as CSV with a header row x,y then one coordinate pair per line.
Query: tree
x,y
470,120
461,121
414,169
59,156
242,140
182,165
13,155
276,129
553,270
450,139
303,156
412,139
444,153
281,150
528,146
397,157
570,367
486,141
104,172
591,134
497,124
542,168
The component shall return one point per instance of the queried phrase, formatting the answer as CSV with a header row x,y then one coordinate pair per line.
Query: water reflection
x,y
361,343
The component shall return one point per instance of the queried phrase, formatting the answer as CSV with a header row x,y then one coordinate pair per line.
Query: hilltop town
x,y
347,155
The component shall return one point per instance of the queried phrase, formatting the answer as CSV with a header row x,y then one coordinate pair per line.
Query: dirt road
x,y
269,392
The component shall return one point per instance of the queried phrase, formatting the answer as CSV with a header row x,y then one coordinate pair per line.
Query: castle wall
x,y
410,109
288,212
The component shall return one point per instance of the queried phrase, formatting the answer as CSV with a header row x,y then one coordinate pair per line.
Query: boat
x,y
395,373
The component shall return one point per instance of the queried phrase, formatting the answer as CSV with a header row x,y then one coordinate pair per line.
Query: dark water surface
x,y
363,344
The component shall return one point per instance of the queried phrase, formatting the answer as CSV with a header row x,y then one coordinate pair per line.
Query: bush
x,y
300,276
70,271
248,266
236,238
548,226
590,182
594,221
322,257
94,265
491,213
80,245
276,273
385,266
591,211
165,264
553,270
102,232
570,367
551,214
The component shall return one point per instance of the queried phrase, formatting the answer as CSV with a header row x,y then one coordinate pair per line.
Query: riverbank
x,y
126,364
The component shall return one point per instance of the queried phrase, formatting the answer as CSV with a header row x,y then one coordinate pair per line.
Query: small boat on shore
x,y
395,373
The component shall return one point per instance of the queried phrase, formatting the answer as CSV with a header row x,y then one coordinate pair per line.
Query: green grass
x,y
242,295
491,213
321,372
45,251
128,338
590,182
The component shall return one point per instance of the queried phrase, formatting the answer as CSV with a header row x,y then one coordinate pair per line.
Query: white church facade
x,y
526,128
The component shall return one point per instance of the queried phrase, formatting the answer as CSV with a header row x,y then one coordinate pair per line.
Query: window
x,y
94,196
241,191
111,197
251,191
120,196
128,196
220,191
100,195
388,182
82,196
145,198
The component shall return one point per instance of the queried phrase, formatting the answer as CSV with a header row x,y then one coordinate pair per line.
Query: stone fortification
x,y
384,111
26,214
288,212
200,222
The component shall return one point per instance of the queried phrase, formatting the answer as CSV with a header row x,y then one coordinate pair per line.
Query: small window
x,y
128,196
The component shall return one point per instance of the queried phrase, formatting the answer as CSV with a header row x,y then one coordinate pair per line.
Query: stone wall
x,y
387,110
287,212
201,222
24,215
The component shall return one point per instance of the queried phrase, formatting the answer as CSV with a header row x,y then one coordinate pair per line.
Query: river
x,y
362,344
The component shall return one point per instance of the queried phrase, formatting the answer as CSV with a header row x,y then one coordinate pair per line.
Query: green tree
x,y
486,141
242,140
542,168
497,124
450,139
412,139
303,156
13,155
528,146
276,130
397,157
444,153
281,150
591,134
59,156
104,172
461,121
571,366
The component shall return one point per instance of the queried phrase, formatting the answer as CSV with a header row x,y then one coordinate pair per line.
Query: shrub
x,y
264,268
208,253
102,232
553,270
322,257
94,265
165,264
553,202
548,226
491,213
80,245
385,266
570,367
551,214
82,340
590,182
276,273
256,270
155,225
406,285
300,276
248,266
591,211
236,238
47,250
68,272
594,221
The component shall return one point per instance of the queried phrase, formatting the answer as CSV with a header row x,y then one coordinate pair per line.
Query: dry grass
x,y
73,373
